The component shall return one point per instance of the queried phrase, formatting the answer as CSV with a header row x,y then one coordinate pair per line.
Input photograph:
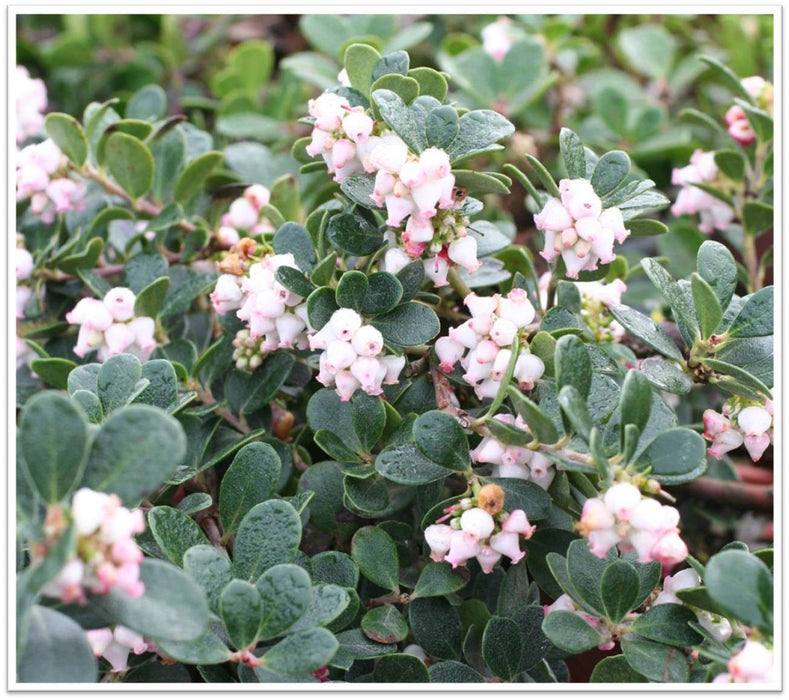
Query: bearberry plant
x,y
323,415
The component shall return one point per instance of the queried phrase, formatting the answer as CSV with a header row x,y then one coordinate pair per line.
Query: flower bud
x,y
358,126
507,543
463,546
491,498
553,217
478,522
339,355
393,365
503,332
487,558
242,214
345,322
621,499
519,523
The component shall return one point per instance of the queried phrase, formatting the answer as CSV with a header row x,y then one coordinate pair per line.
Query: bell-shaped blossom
x,y
353,356
739,127
463,546
577,228
483,343
748,425
246,215
497,38
115,645
713,213
753,663
31,102
623,518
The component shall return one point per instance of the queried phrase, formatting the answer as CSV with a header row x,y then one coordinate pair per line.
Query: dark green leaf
x,y
241,609
708,308
174,532
610,172
194,176
68,136
269,534
251,479
352,290
572,153
677,456
569,632
619,589
501,647
668,624
657,662
285,591
755,317
130,163
742,585
409,324
375,554
438,579
384,624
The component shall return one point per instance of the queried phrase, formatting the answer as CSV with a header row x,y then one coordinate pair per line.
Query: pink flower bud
x,y
463,546
563,602
358,126
412,174
328,110
289,326
90,313
595,515
448,352
419,231
481,306
463,251
500,364
438,538
579,197
346,384
23,263
426,197
366,370
339,355
725,442
368,341
647,515
517,522
507,543
118,338
553,217
120,303
464,335
517,308
99,640
345,322
393,365
88,509
487,558
390,154
489,450
588,228
756,445
528,369
436,269
397,208
478,522
670,549
753,663
503,332
754,420
384,185
611,219
600,541
621,499
435,163
682,580
132,640
242,214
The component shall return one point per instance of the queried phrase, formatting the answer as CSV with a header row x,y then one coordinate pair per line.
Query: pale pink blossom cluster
x,y
341,135
420,191
749,425
245,214
713,213
623,518
515,461
275,316
718,627
565,603
37,178
23,261
31,101
753,663
115,645
579,229
475,533
106,557
739,127
109,326
483,344
497,38
354,356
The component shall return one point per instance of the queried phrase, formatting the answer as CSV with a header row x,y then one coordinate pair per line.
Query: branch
x,y
734,493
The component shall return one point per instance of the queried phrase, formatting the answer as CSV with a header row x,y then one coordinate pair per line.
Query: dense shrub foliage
x,y
350,364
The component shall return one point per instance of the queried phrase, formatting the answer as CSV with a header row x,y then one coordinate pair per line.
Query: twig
x,y
733,493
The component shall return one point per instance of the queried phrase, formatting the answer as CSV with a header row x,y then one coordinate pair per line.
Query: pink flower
x,y
507,543
463,546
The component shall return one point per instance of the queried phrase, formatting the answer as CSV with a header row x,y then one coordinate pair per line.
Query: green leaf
x,y
646,227
136,450
360,60
610,171
149,103
53,371
731,163
440,438
708,308
53,438
501,647
717,267
56,650
385,625
130,163
383,294
585,571
526,495
677,456
613,110
436,627
649,49
657,662
744,378
269,534
401,668
241,609
635,401
295,239
368,417
248,393
454,672
478,130
195,174
544,176
573,365
409,324
151,298
438,579
757,217
118,381
327,604
301,652
352,233
573,154
375,554
397,115
68,136
482,183
321,304
619,588
575,412
174,532
666,375
442,126
755,317
615,669
208,649
404,464
211,569
352,290
668,624
645,329
431,82
286,592
251,479
162,389
173,606
295,281
570,632
743,586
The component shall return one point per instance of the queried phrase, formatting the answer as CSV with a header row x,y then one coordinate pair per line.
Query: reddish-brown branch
x,y
736,493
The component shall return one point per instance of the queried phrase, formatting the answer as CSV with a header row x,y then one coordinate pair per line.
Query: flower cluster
x,y
246,214
39,178
713,213
341,135
718,627
483,344
110,326
23,262
753,663
275,316
623,518
566,603
31,101
479,528
497,38
739,127
353,356
515,461
115,645
578,228
751,425
106,557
